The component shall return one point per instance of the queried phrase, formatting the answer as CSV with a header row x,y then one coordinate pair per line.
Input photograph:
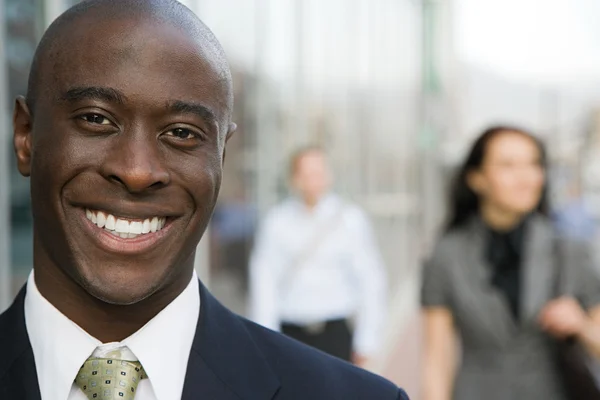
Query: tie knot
x,y
108,378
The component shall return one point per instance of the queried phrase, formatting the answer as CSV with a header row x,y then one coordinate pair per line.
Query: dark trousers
x,y
335,338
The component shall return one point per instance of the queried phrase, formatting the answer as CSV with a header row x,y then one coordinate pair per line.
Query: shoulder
x,y
542,222
572,246
14,341
451,242
448,251
308,373
352,213
579,253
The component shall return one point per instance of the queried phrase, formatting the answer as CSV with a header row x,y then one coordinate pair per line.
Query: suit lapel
x,y
489,304
225,362
18,376
538,268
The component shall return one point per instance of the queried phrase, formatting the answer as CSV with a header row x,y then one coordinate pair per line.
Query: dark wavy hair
x,y
464,202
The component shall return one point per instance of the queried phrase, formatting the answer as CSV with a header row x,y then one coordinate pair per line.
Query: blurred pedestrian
x,y
490,281
315,271
232,230
574,218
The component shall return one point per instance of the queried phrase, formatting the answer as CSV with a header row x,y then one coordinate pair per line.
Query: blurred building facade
x,y
377,83
344,74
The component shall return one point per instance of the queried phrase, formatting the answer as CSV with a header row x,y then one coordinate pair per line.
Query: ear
x,y
475,181
230,131
22,126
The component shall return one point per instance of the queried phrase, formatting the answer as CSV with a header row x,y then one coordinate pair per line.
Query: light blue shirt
x,y
341,275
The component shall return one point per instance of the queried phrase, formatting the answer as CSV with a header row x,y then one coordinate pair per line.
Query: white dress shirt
x,y
340,277
60,347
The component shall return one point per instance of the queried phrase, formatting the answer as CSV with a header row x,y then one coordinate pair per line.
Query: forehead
x,y
147,60
511,144
311,159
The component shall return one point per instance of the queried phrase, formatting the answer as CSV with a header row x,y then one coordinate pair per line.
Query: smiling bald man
x,y
123,133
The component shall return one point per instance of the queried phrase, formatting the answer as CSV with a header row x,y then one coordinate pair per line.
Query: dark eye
x,y
96,119
182,133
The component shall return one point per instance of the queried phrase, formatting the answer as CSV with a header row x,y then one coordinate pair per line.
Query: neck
x,y
500,220
105,322
311,201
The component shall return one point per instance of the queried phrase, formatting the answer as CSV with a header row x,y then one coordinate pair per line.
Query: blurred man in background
x,y
315,271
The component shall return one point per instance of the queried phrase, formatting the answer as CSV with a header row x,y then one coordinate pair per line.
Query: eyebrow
x,y
115,96
183,107
93,93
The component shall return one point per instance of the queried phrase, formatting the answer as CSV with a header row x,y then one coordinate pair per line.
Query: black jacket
x,y
231,359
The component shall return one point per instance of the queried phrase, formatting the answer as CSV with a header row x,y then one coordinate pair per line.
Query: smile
x,y
126,235
125,228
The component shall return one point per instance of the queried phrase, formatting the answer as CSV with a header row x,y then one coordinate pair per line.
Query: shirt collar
x,y
326,204
163,345
60,346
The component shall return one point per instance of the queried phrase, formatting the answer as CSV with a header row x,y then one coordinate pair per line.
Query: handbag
x,y
578,369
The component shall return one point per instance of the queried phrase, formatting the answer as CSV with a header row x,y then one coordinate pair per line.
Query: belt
x,y
315,328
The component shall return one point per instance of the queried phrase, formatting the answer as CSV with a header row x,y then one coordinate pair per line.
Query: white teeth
x,y
110,223
124,228
101,220
135,227
146,226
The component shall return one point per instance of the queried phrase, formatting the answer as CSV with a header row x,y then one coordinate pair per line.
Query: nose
x,y
136,164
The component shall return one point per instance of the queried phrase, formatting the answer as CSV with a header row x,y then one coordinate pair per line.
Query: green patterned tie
x,y
107,378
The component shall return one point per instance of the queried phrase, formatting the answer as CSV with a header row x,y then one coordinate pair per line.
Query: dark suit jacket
x,y
231,359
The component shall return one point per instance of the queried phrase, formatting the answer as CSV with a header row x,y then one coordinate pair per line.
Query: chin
x,y
526,210
119,297
122,287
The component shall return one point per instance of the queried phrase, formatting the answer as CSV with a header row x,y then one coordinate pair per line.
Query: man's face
x,y
127,143
312,178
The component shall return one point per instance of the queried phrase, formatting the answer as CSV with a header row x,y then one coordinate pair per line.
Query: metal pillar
x,y
431,121
300,121
267,139
5,264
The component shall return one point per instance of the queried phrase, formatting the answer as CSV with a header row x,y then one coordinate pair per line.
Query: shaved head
x,y
127,117
58,39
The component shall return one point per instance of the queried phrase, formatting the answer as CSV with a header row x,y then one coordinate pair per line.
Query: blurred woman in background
x,y
490,281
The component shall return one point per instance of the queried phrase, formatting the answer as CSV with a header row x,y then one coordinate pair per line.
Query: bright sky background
x,y
555,42
547,41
